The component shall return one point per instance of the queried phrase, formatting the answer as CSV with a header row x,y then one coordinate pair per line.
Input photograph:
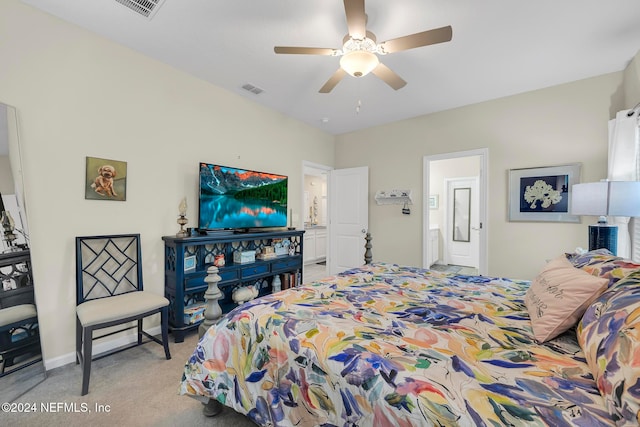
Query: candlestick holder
x,y
182,218
8,226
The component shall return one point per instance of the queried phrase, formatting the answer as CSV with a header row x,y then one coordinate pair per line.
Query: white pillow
x,y
559,296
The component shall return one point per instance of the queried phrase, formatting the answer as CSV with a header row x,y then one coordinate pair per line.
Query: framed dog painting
x,y
105,179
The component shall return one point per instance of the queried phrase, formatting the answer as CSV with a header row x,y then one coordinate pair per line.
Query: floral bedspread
x,y
385,345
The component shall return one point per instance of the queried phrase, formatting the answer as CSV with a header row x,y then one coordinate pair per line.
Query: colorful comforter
x,y
385,345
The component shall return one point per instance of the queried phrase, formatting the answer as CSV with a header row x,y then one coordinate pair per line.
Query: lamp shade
x,y
606,198
359,63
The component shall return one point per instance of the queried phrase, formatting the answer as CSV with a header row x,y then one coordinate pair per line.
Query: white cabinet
x,y
321,244
434,245
309,246
315,245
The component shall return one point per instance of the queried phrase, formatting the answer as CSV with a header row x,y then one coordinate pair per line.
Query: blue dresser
x,y
186,260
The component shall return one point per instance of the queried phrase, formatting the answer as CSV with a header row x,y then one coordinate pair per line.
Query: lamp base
x,y
603,236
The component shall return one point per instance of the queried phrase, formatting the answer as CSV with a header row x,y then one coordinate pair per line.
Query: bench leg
x,y
87,334
164,325
78,340
139,331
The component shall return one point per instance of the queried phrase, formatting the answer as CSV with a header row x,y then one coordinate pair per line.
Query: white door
x,y
348,218
463,225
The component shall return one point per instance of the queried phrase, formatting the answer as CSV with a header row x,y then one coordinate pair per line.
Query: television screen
x,y
232,198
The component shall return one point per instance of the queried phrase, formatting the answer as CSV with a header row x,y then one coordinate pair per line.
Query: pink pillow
x,y
559,296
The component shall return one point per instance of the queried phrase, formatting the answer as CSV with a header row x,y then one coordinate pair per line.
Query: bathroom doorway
x,y
314,219
439,219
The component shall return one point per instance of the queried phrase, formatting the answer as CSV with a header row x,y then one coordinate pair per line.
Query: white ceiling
x,y
499,48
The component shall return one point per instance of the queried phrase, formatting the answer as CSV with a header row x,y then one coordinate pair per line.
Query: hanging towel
x,y
623,154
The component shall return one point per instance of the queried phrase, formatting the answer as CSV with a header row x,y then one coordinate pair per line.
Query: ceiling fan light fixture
x,y
359,63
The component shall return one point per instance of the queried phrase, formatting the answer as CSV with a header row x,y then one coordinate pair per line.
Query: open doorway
x,y
314,219
335,219
455,212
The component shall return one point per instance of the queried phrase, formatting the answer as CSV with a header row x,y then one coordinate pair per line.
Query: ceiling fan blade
x,y
425,38
385,74
356,18
304,50
333,81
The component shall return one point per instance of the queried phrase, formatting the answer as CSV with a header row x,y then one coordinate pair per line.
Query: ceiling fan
x,y
359,53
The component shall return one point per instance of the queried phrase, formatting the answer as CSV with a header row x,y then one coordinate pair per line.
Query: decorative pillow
x,y
594,257
609,334
558,297
603,263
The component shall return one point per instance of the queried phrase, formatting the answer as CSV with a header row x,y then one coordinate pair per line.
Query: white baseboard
x,y
99,348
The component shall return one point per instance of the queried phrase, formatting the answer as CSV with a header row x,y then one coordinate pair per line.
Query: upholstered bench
x,y
118,307
18,317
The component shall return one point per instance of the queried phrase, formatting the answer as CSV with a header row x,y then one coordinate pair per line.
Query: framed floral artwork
x,y
543,194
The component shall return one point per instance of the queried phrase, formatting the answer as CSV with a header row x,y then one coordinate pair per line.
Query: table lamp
x,y
602,199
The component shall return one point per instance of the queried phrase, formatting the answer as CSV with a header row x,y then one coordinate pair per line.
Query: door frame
x,y
483,192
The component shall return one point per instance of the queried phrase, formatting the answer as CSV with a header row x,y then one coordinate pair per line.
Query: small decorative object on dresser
x,y
182,218
268,252
276,284
8,226
243,257
219,261
194,313
243,294
189,263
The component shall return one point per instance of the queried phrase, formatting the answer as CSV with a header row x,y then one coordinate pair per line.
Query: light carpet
x,y
136,387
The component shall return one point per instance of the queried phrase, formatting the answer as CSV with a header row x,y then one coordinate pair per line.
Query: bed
x,y
390,345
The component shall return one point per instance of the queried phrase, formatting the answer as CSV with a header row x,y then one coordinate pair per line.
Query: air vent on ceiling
x,y
146,8
253,89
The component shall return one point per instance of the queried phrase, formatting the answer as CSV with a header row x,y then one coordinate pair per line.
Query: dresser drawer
x,y
198,281
254,270
227,275
194,282
285,264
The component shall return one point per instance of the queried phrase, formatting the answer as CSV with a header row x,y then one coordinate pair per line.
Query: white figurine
x,y
244,294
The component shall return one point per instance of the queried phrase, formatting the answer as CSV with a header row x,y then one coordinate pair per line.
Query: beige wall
x,y
632,83
79,95
553,126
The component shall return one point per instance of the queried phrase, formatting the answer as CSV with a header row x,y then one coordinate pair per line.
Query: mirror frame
x,y
17,382
462,214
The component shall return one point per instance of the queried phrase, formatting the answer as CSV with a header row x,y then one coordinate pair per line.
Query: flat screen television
x,y
240,199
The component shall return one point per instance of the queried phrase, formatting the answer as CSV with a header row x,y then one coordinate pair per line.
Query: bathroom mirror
x,y
21,365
